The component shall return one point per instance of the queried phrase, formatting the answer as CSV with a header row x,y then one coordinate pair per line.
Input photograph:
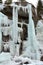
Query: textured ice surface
x,y
32,49
17,60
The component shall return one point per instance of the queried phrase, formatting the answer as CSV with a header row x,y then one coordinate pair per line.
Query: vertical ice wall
x,y
14,30
12,44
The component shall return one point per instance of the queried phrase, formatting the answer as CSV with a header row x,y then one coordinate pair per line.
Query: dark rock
x,y
26,63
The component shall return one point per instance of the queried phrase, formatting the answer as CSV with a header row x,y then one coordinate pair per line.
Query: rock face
x,y
8,1
0,1
40,9
7,11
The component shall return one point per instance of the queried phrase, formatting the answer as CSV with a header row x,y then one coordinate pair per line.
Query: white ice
x,y
6,59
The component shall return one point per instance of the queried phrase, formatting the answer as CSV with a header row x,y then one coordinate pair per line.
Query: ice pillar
x,y
12,44
32,41
17,37
14,30
16,25
32,49
15,22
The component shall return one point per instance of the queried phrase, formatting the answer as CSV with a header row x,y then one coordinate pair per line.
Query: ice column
x,y
16,24
32,49
12,44
14,31
33,44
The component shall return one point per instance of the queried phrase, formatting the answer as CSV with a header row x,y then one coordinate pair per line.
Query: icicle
x,y
32,38
32,49
16,31
12,44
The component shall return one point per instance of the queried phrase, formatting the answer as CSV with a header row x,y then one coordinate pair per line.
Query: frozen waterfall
x,y
32,50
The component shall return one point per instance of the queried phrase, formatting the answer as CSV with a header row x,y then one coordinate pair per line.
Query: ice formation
x,y
32,49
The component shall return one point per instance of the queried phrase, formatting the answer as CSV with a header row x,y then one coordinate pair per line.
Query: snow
x,y
36,62
4,56
7,59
